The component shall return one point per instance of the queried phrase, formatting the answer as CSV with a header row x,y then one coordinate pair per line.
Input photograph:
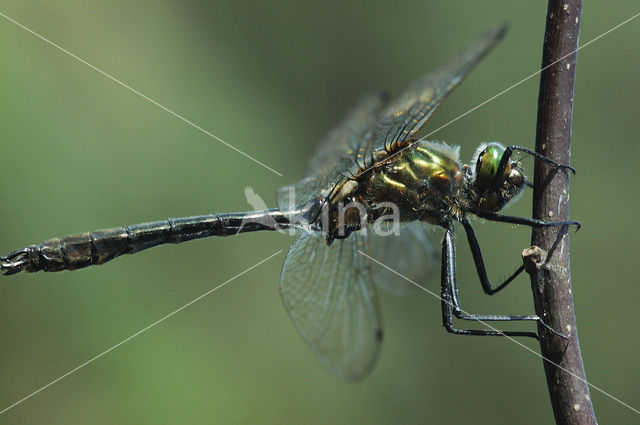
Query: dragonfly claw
x,y
553,331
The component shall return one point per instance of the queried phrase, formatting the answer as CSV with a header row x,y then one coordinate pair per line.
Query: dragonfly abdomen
x,y
91,248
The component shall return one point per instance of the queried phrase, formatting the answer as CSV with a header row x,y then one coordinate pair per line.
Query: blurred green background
x,y
79,152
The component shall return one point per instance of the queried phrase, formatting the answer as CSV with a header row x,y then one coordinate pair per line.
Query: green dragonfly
x,y
370,175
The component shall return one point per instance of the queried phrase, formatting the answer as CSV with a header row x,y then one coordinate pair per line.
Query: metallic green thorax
x,y
421,180
427,182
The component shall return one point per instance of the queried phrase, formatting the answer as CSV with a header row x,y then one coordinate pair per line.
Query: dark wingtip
x,y
500,30
379,335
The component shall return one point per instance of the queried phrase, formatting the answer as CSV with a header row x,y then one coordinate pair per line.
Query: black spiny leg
x,y
486,286
531,222
479,262
504,161
450,302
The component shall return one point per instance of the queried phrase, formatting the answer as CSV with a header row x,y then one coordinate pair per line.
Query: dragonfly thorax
x,y
422,181
425,180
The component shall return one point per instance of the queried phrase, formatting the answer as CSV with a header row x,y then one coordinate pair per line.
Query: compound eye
x,y
487,166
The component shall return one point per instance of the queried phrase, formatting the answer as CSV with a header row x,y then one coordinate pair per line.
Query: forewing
x,y
329,295
336,154
403,118
343,141
373,125
412,253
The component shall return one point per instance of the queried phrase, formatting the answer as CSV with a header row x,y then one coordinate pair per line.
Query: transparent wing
x,y
372,126
403,118
413,253
336,155
329,295
343,142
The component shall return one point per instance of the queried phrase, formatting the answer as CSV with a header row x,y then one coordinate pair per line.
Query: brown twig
x,y
548,265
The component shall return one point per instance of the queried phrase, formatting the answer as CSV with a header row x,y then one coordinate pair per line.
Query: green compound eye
x,y
487,165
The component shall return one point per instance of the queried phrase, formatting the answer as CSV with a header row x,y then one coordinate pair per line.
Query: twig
x,y
549,264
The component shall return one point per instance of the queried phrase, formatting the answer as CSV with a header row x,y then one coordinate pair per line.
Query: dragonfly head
x,y
492,191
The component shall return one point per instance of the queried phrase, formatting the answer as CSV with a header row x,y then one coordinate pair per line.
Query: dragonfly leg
x,y
479,262
510,149
506,157
531,222
451,304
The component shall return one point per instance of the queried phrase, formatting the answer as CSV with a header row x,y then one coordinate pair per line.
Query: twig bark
x,y
548,265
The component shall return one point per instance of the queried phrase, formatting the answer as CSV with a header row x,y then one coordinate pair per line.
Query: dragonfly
x,y
370,174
